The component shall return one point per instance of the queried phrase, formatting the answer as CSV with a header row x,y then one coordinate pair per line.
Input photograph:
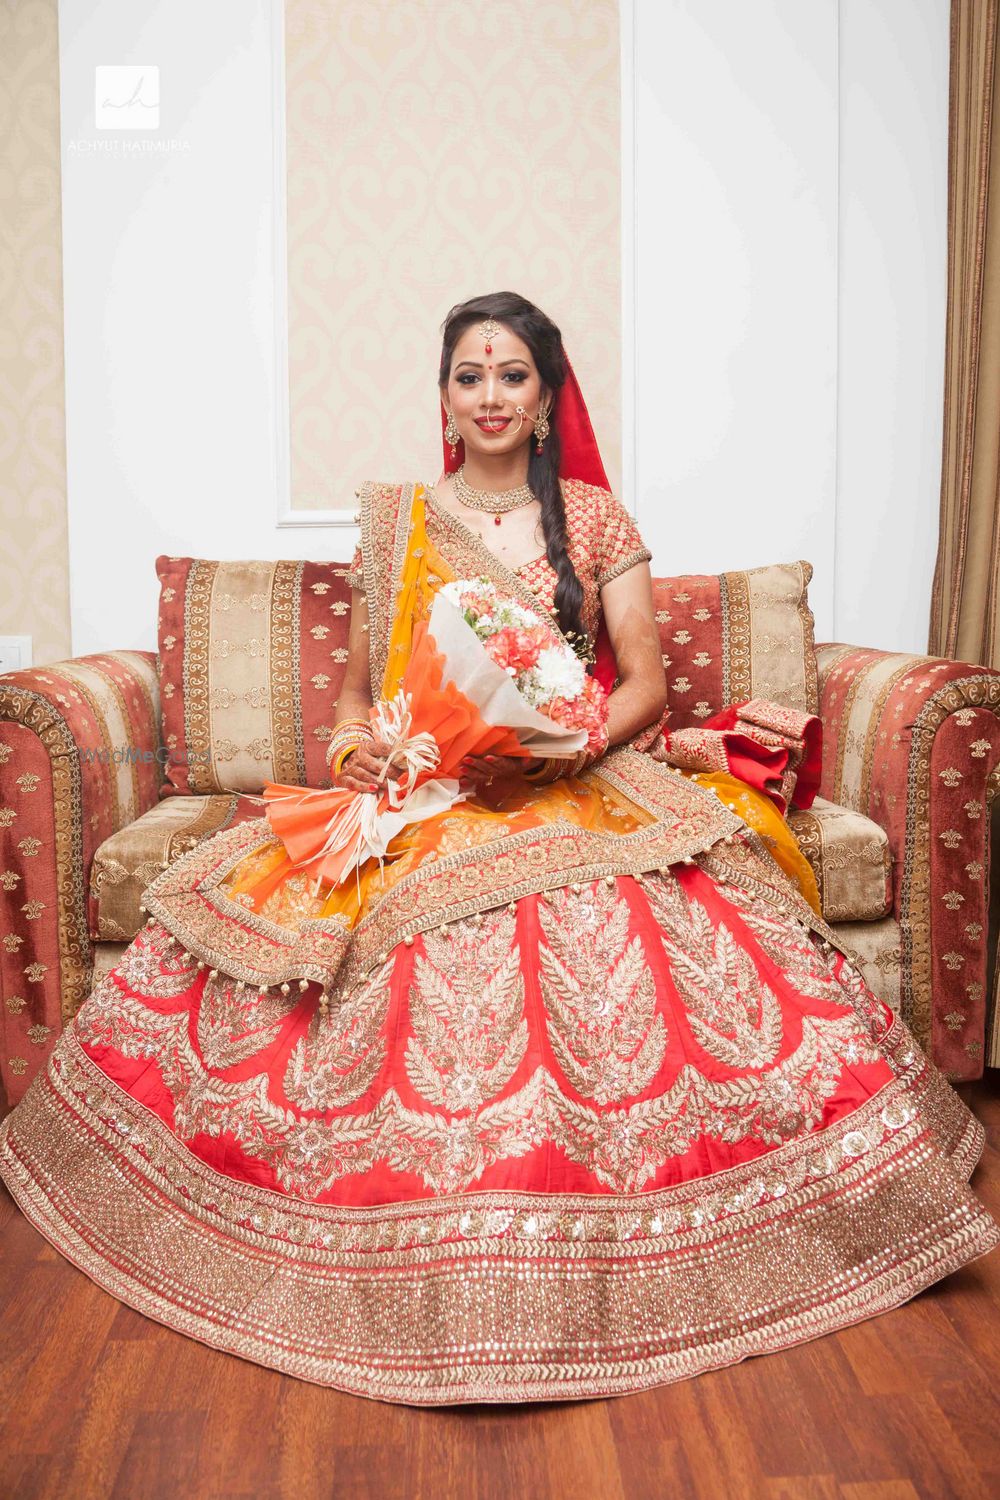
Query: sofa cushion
x,y
850,858
251,656
728,637
127,862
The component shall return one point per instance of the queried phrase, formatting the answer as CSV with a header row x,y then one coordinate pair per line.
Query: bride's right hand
x,y
362,768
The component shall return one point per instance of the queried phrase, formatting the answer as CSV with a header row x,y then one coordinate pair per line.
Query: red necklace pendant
x,y
496,520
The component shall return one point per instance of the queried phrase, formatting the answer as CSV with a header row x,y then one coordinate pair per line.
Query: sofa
x,y
114,764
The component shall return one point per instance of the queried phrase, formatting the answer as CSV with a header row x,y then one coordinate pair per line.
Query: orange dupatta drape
x,y
269,883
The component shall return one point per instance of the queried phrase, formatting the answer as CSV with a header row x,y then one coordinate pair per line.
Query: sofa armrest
x,y
914,743
79,758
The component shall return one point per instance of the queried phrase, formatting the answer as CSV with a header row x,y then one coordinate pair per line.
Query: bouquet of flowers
x,y
485,676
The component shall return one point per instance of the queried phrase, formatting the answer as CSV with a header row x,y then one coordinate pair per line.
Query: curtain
x,y
965,607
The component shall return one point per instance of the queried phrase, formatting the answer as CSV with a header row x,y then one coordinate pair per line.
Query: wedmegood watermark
x,y
120,755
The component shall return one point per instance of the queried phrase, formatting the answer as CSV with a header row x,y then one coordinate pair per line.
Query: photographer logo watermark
x,y
127,117
126,96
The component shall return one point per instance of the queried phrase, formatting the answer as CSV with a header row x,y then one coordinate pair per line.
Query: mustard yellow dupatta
x,y
268,882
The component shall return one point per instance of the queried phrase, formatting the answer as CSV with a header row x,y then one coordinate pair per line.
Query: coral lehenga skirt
x,y
557,1137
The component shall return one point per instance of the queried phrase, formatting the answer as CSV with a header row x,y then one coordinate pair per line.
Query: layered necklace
x,y
497,502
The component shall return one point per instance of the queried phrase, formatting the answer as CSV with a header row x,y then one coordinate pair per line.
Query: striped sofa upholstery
x,y
79,759
913,743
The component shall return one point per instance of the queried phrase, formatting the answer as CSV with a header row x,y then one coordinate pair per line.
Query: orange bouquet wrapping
x,y
459,696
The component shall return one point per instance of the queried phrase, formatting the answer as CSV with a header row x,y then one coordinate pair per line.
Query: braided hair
x,y
544,340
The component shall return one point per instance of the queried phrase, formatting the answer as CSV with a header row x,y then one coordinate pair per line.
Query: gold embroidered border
x,y
188,900
224,933
385,516
747,861
665,792
199,771
737,663
808,622
534,1295
285,638
629,560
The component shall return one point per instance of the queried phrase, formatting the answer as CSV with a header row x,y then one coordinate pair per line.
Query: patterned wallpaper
x,y
34,556
438,149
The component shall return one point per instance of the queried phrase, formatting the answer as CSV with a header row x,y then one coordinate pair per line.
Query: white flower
x,y
459,586
558,673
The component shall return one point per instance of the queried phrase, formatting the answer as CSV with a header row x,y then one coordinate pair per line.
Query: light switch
x,y
15,653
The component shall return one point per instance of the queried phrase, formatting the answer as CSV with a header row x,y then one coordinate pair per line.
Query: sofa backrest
x,y
251,657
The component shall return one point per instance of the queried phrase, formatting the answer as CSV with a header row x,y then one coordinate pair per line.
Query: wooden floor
x,y
97,1401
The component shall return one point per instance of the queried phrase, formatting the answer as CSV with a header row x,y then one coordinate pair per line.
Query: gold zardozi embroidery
x,y
599,994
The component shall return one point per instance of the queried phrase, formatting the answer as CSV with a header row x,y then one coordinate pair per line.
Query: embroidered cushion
x,y
850,858
728,637
252,654
131,859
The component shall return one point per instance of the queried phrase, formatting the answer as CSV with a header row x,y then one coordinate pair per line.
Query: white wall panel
x,y
172,309
893,296
784,282
735,284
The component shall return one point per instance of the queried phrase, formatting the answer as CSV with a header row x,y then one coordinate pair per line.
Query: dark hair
x,y
545,342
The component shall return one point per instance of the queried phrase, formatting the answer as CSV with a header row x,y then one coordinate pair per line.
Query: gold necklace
x,y
495,501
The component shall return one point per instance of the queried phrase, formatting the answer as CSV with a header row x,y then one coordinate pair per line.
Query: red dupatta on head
x,y
580,458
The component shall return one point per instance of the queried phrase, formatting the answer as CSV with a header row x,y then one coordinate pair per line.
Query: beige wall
x,y
439,150
34,564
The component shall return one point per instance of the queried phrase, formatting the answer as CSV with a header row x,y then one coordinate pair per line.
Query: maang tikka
x,y
489,331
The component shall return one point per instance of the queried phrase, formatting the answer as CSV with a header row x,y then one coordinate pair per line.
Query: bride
x,y
576,1096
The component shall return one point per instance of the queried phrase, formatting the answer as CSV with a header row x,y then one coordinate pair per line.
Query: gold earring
x,y
541,429
451,433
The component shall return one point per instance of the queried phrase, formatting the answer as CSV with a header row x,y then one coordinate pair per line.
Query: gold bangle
x,y
352,729
341,756
548,771
348,728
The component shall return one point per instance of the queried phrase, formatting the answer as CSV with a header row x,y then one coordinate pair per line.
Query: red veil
x,y
580,459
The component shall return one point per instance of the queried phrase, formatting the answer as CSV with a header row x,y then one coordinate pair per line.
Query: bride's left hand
x,y
494,767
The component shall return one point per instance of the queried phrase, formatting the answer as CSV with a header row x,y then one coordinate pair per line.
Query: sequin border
x,y
333,1294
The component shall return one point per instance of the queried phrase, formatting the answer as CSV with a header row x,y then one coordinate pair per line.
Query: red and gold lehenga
x,y
597,1104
